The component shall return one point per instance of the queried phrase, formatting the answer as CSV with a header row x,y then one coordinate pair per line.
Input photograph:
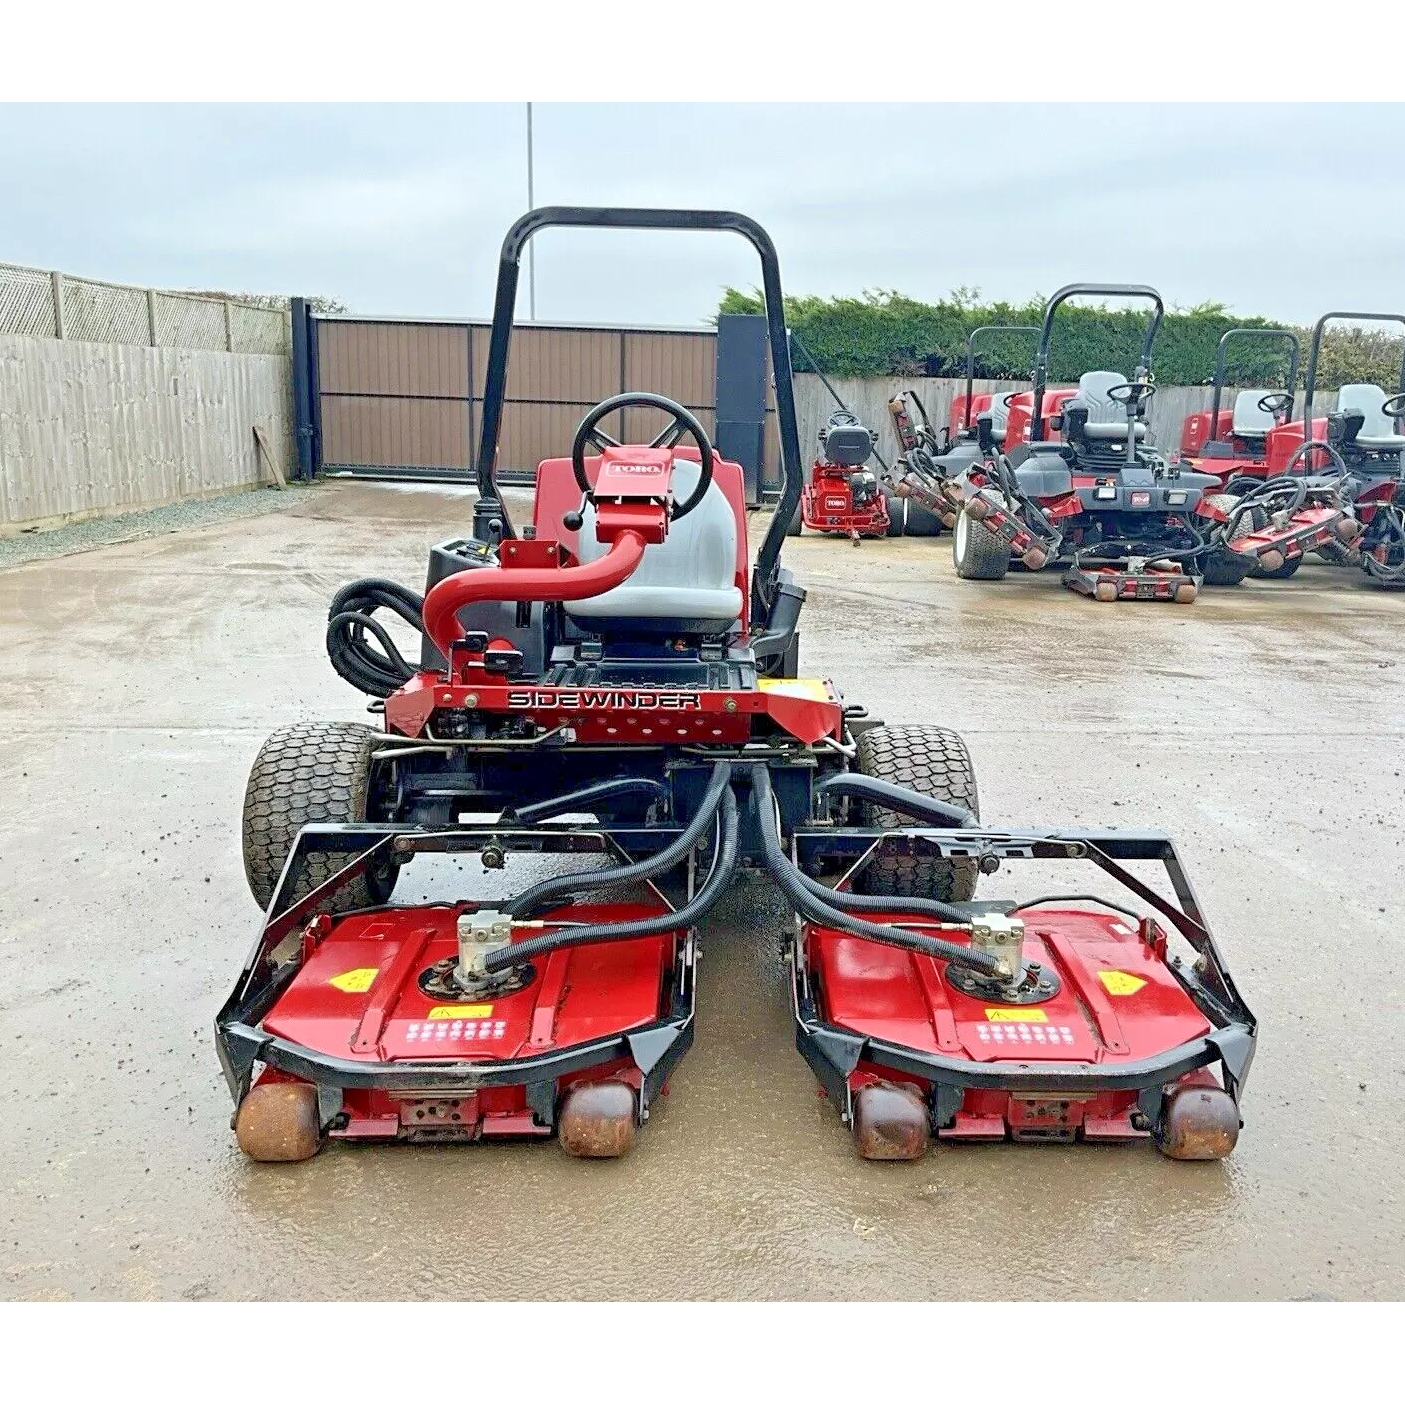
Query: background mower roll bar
x,y
490,516
1105,290
1316,346
971,361
1264,334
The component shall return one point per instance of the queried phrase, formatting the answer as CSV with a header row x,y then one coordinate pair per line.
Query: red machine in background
x,y
840,493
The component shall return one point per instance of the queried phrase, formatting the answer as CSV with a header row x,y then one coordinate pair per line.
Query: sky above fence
x,y
400,209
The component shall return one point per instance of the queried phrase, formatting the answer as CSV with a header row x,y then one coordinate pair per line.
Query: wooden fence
x,y
89,428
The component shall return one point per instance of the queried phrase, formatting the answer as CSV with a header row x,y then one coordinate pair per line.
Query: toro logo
x,y
587,698
649,468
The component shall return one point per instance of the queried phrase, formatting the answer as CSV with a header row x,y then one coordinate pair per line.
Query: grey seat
x,y
1377,428
686,582
1106,418
1248,421
999,412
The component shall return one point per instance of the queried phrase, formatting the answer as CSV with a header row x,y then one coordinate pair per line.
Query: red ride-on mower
x,y
1358,452
841,495
1132,525
930,464
617,684
1278,518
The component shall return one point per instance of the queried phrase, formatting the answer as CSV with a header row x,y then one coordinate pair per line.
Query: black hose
x,y
581,800
378,672
718,878
869,902
561,885
896,797
811,906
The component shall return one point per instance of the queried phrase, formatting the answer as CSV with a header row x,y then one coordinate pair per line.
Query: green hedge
x,y
884,333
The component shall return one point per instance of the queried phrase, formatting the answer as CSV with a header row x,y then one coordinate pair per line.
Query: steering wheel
x,y
1399,402
1275,403
1134,393
682,423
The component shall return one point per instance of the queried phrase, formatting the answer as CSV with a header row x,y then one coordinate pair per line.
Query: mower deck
x,y
1132,578
1111,1037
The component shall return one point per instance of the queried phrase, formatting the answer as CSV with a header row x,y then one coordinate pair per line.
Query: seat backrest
x,y
1248,421
1366,401
1093,387
999,412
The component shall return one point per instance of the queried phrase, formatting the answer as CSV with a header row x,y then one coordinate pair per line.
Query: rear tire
x,y
310,773
932,761
897,514
979,555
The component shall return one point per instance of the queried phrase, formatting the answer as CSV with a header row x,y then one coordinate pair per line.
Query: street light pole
x,y
531,246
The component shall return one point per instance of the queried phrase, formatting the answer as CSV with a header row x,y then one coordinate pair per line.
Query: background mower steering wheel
x,y
1399,402
1135,393
682,423
1275,402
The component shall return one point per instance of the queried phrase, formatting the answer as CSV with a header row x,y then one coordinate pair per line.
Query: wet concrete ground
x,y
1264,726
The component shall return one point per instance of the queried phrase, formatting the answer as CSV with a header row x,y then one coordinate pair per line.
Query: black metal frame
x,y
1262,334
833,1053
971,361
490,518
1040,377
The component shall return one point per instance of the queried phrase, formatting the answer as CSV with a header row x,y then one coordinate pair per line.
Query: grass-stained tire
x,y
310,773
1225,567
977,553
932,761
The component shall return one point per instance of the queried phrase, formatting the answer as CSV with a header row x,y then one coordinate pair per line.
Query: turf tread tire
x,y
985,558
309,773
1223,567
932,761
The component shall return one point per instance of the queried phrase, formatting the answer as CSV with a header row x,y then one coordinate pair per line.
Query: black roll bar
x,y
971,360
1105,290
1263,333
1310,384
490,515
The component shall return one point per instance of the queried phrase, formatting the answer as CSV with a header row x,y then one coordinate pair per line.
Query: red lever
x,y
445,600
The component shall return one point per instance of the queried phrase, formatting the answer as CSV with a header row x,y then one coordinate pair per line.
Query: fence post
x,y
151,314
57,280
228,327
304,399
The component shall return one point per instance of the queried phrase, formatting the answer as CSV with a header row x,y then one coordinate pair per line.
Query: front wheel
x,y
934,762
978,554
310,773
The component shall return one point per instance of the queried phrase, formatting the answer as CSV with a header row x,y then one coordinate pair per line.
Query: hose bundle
x,y
352,628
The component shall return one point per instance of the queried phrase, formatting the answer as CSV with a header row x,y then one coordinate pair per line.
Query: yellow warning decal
x,y
357,981
460,1012
1121,982
1016,1016
815,689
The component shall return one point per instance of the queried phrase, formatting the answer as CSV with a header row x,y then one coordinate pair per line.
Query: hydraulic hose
x,y
896,797
561,885
1293,489
582,799
809,905
350,619
718,879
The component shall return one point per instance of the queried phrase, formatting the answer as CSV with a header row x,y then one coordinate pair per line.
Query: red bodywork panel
x,y
1021,416
1118,1002
1197,431
806,708
1282,441
958,420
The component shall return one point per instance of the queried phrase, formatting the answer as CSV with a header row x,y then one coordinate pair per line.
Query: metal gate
x,y
404,398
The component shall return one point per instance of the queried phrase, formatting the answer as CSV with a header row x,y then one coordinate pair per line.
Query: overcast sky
x,y
1281,211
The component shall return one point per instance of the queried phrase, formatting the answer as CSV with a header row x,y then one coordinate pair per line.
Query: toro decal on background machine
x,y
619,687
